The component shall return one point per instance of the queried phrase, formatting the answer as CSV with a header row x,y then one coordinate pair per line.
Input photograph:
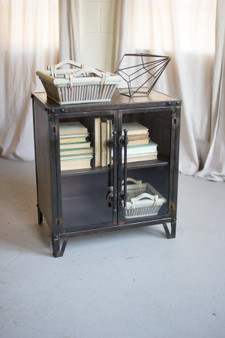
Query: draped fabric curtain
x,y
186,31
69,18
214,166
29,40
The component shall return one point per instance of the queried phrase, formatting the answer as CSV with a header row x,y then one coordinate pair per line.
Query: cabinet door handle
x,y
114,171
125,167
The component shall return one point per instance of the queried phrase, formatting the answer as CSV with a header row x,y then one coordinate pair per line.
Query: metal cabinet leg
x,y
57,251
40,215
172,233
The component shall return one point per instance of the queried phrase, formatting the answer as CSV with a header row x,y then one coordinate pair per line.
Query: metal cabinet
x,y
99,198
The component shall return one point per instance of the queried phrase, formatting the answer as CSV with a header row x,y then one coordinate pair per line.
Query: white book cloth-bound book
x,y
134,128
71,128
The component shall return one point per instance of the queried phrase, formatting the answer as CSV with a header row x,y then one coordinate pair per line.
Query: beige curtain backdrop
x,y
29,40
186,31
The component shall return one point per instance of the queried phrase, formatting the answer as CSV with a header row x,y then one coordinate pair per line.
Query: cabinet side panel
x,y
42,153
175,136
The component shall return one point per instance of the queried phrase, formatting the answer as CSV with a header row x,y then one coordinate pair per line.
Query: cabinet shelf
x,y
87,230
91,171
160,162
86,171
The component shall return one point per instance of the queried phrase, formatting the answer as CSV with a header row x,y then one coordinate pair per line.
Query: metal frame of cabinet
x,y
159,110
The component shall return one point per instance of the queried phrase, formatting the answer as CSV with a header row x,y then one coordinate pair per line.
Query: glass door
x,y
86,169
145,158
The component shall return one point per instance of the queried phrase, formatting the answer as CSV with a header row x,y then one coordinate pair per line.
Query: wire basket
x,y
142,200
80,84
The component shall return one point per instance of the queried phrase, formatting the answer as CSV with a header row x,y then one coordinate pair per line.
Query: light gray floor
x,y
127,284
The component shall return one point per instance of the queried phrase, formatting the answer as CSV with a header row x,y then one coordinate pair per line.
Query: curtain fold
x,y
69,18
28,42
184,30
214,166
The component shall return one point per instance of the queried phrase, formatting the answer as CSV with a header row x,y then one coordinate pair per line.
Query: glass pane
x,y
85,171
84,200
83,142
148,153
147,192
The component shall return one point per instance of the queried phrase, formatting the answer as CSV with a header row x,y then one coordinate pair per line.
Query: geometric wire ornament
x,y
140,72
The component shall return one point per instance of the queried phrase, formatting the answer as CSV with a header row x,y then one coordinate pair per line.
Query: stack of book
x,y
76,151
102,133
140,147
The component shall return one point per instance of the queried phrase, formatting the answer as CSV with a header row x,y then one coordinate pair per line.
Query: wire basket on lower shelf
x,y
80,84
142,200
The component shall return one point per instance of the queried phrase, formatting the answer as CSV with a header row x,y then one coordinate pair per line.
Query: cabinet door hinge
x,y
172,206
55,129
58,221
174,118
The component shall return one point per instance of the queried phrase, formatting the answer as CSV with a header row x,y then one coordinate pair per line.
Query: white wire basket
x,y
142,200
80,84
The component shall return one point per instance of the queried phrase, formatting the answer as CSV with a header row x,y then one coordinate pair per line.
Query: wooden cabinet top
x,y
118,101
